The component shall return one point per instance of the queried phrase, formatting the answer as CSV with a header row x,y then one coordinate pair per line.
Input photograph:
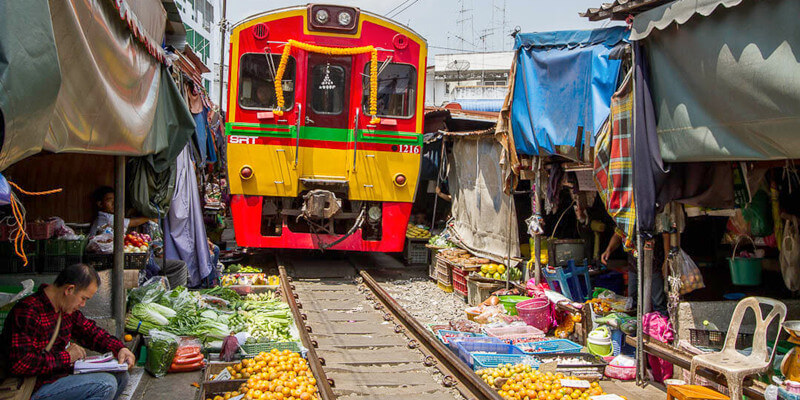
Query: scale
x,y
790,367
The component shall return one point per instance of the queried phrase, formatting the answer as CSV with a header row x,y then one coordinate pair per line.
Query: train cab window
x,y
328,88
257,82
397,87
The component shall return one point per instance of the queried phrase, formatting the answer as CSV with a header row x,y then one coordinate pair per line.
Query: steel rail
x,y
465,375
323,383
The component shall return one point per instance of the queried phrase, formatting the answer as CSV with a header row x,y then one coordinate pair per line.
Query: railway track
x,y
364,345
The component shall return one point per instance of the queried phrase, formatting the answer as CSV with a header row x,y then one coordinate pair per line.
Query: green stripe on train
x,y
319,133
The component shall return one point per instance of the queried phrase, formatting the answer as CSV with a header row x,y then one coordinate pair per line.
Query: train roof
x,y
299,7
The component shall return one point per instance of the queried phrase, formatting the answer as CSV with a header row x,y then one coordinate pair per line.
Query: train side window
x,y
257,82
327,89
397,87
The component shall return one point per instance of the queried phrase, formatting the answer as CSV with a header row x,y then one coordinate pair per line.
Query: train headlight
x,y
400,180
374,213
345,18
322,16
246,172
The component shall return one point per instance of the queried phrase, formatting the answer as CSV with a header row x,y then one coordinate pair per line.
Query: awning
x,y
562,88
678,12
725,87
86,77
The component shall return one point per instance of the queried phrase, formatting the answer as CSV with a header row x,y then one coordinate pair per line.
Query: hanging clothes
x,y
613,172
184,232
194,97
201,135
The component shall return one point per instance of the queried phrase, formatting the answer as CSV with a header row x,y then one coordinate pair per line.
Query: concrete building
x,y
477,77
201,19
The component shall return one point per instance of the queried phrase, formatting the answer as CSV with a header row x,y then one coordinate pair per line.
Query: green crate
x,y
76,247
55,247
255,348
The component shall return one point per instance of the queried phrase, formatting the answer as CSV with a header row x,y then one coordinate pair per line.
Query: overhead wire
x,y
406,8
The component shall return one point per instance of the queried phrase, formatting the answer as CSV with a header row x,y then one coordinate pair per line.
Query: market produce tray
x,y
453,342
714,340
555,346
570,364
214,368
244,290
252,349
466,349
415,251
219,389
516,334
490,360
445,335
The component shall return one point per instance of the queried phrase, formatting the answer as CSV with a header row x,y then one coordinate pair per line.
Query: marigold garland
x,y
331,51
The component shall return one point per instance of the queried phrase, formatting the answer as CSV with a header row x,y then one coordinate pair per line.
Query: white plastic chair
x,y
734,365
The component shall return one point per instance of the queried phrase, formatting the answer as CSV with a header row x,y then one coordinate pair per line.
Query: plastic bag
x,y
151,291
691,278
103,244
161,348
758,215
188,356
790,255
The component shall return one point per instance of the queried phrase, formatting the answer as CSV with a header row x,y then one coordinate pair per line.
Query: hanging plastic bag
x,y
758,215
102,244
691,278
790,255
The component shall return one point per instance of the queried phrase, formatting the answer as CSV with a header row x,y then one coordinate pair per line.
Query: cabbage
x,y
165,311
147,313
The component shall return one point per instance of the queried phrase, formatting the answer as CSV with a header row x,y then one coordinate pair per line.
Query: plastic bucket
x,y
744,271
510,303
599,342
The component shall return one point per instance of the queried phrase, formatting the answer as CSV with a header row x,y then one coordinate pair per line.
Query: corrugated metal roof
x,y
620,9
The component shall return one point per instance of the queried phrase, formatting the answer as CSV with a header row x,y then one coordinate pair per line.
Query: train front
x,y
324,129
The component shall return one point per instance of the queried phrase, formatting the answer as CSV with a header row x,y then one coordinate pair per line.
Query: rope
x,y
19,215
331,51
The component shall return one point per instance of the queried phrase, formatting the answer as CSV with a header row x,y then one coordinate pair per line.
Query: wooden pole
x,y
118,271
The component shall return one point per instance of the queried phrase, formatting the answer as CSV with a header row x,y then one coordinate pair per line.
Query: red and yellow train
x,y
324,128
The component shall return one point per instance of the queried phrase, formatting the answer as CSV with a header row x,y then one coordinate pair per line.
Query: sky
x,y
437,20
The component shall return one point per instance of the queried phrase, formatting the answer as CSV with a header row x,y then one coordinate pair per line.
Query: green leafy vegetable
x,y
148,313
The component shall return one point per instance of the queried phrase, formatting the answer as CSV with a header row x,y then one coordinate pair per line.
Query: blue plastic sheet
x,y
5,191
563,86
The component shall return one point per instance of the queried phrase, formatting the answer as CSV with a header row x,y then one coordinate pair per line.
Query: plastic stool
x,y
693,392
568,279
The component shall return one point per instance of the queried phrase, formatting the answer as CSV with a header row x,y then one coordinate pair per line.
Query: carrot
x,y
187,351
186,367
188,359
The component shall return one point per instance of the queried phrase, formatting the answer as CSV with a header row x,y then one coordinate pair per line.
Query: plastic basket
x,y
253,349
453,345
536,313
516,334
465,349
55,247
459,280
76,247
99,262
489,360
56,264
40,230
136,260
415,252
555,346
716,339
621,373
478,291
446,288
445,335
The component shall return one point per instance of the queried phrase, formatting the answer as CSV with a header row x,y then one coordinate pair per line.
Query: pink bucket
x,y
536,313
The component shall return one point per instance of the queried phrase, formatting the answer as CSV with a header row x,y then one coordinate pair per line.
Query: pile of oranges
x,y
522,382
274,376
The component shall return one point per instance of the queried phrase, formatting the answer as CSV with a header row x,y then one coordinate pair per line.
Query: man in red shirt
x,y
30,326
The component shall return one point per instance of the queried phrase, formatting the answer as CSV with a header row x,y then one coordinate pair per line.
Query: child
x,y
104,223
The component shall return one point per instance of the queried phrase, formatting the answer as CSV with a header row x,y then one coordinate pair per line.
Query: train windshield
x,y
327,88
397,85
257,81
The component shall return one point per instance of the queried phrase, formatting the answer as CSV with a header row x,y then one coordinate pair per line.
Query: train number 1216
x,y
405,148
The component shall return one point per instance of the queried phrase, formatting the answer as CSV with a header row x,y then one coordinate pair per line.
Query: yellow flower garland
x,y
331,51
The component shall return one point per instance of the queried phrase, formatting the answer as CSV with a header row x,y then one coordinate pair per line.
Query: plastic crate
x,y
459,280
453,345
11,263
40,230
465,349
415,252
490,360
516,334
99,262
432,268
136,260
445,335
55,247
56,264
76,247
556,346
252,349
716,339
444,271
446,288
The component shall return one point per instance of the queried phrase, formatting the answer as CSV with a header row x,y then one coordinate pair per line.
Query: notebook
x,y
101,363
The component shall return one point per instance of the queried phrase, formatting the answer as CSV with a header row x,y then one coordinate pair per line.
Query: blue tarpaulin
x,y
562,88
